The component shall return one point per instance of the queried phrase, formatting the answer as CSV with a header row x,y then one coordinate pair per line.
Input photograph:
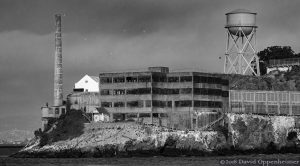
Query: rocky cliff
x,y
245,133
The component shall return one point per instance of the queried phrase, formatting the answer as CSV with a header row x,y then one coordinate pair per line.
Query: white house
x,y
88,84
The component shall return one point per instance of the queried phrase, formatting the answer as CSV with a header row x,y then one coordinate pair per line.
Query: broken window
x,y
105,80
186,91
105,92
106,104
186,79
173,79
119,104
119,79
131,79
155,115
119,91
144,115
159,78
144,78
139,91
183,103
138,103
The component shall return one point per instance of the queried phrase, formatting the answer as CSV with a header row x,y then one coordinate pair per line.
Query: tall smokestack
x,y
58,73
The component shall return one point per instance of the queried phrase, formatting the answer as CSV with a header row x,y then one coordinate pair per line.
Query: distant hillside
x,y
15,136
276,80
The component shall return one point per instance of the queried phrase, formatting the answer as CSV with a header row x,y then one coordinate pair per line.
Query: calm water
x,y
293,159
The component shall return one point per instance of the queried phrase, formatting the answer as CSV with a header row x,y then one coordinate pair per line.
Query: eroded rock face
x,y
245,132
258,132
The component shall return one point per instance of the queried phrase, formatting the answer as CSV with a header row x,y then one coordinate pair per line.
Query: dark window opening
x,y
139,91
173,79
169,104
105,80
119,104
106,104
160,91
144,78
144,115
119,79
159,78
119,92
155,115
138,103
105,92
186,91
56,111
186,79
63,110
183,103
225,93
131,79
157,103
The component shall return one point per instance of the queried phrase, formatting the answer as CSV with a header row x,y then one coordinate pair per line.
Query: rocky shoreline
x,y
247,134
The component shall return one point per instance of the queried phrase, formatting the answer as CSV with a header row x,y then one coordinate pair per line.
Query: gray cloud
x,y
118,35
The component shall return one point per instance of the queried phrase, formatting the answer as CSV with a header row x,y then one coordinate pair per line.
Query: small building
x,y
101,115
282,64
87,84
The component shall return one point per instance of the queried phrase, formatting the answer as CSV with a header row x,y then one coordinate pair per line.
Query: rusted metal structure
x,y
241,55
58,71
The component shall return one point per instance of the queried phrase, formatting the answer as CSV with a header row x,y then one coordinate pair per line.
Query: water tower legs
x,y
241,55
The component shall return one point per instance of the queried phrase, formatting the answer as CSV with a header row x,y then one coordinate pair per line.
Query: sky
x,y
118,35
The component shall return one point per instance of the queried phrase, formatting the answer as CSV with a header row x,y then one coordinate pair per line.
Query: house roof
x,y
102,110
95,78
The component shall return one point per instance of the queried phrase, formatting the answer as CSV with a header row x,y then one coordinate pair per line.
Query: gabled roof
x,y
102,110
95,78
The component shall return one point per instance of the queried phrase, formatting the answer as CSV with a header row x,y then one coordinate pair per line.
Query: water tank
x,y
240,22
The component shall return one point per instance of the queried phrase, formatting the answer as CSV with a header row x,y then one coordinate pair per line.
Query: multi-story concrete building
x,y
175,99
158,93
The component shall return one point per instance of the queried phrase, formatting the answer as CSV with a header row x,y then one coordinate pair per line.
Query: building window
x,y
105,92
105,80
131,79
118,91
173,79
144,115
119,79
148,103
138,91
186,79
86,81
159,78
144,78
183,103
63,111
186,91
138,103
57,111
106,104
119,104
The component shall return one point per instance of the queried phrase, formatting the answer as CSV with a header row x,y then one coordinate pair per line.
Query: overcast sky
x,y
113,35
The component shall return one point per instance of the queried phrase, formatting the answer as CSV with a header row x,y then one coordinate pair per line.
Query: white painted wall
x,y
284,69
88,84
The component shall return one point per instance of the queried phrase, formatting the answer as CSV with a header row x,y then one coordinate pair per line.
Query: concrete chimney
x,y
58,72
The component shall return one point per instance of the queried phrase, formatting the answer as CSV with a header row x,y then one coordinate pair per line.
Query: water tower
x,y
241,55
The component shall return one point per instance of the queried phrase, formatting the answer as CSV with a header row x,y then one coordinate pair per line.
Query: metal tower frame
x,y
241,55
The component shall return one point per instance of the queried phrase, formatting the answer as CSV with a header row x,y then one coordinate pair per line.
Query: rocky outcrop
x,y
247,133
250,132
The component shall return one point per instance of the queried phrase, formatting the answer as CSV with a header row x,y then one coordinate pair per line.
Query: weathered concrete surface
x,y
246,133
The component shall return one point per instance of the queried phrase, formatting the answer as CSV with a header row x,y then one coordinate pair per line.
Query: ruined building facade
x,y
173,99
